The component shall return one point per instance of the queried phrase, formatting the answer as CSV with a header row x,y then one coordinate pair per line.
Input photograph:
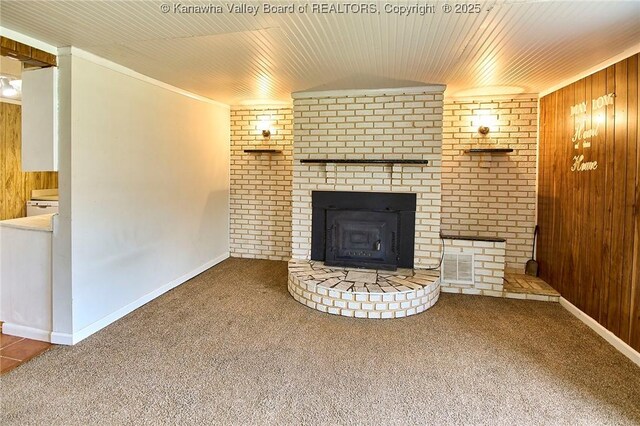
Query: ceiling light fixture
x,y
10,87
16,84
9,92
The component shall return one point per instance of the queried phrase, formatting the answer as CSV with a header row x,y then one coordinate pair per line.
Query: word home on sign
x,y
579,165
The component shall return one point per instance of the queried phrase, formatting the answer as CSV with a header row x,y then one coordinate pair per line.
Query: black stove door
x,y
362,239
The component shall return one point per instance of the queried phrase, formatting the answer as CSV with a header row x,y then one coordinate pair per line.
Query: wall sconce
x,y
485,121
264,127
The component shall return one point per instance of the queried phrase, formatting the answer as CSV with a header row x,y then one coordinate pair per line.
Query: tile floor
x,y
15,351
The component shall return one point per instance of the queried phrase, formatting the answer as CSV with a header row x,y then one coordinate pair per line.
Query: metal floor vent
x,y
457,268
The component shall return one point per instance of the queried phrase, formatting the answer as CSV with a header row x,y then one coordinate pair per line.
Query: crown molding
x,y
98,60
416,90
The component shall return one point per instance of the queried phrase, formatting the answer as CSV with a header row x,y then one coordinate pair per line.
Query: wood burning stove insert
x,y
363,229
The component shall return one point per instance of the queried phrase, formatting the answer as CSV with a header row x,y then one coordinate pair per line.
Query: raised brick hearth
x,y
381,124
363,293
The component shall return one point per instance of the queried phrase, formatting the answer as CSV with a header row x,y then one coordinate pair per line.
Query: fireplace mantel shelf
x,y
263,151
362,161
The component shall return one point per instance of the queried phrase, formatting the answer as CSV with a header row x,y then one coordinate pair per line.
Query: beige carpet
x,y
232,347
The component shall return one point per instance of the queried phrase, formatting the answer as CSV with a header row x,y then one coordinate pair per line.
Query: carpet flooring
x,y
232,347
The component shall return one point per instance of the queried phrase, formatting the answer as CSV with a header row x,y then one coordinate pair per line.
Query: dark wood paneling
x,y
589,243
16,185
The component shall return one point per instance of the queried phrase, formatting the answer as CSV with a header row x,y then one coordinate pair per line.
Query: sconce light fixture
x,y
483,130
264,127
485,120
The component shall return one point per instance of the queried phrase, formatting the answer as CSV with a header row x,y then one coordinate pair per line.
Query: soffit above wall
x,y
233,57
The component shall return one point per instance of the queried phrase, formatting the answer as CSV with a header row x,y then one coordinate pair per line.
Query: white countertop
x,y
41,222
45,198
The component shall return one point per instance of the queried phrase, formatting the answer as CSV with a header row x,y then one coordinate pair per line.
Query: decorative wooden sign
x,y
583,134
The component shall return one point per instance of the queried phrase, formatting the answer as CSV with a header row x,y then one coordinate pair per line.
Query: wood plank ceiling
x,y
513,46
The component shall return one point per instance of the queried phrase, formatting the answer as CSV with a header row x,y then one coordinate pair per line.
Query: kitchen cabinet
x,y
40,120
26,254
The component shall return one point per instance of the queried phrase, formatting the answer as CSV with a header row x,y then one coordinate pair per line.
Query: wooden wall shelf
x,y
488,150
445,236
362,161
263,151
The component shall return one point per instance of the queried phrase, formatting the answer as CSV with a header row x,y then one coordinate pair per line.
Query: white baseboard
x,y
67,339
27,332
61,338
614,340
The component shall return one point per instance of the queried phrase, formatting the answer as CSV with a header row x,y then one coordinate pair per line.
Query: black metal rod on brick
x,y
482,150
361,161
263,151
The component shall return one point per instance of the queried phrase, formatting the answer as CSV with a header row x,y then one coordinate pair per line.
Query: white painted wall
x,y
148,189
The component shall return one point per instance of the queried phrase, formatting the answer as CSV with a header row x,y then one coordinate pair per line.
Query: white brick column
x,y
491,195
260,216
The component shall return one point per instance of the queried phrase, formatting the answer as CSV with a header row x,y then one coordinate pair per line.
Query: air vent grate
x,y
457,268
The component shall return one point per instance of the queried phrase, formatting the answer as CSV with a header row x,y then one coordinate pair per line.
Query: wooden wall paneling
x,y
589,245
15,182
620,149
629,182
543,196
564,243
597,210
556,183
571,191
617,145
541,154
606,163
597,187
634,321
588,292
553,195
547,108
3,162
582,198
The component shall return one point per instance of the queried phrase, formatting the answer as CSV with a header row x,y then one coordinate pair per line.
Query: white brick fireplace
x,y
390,124
399,123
